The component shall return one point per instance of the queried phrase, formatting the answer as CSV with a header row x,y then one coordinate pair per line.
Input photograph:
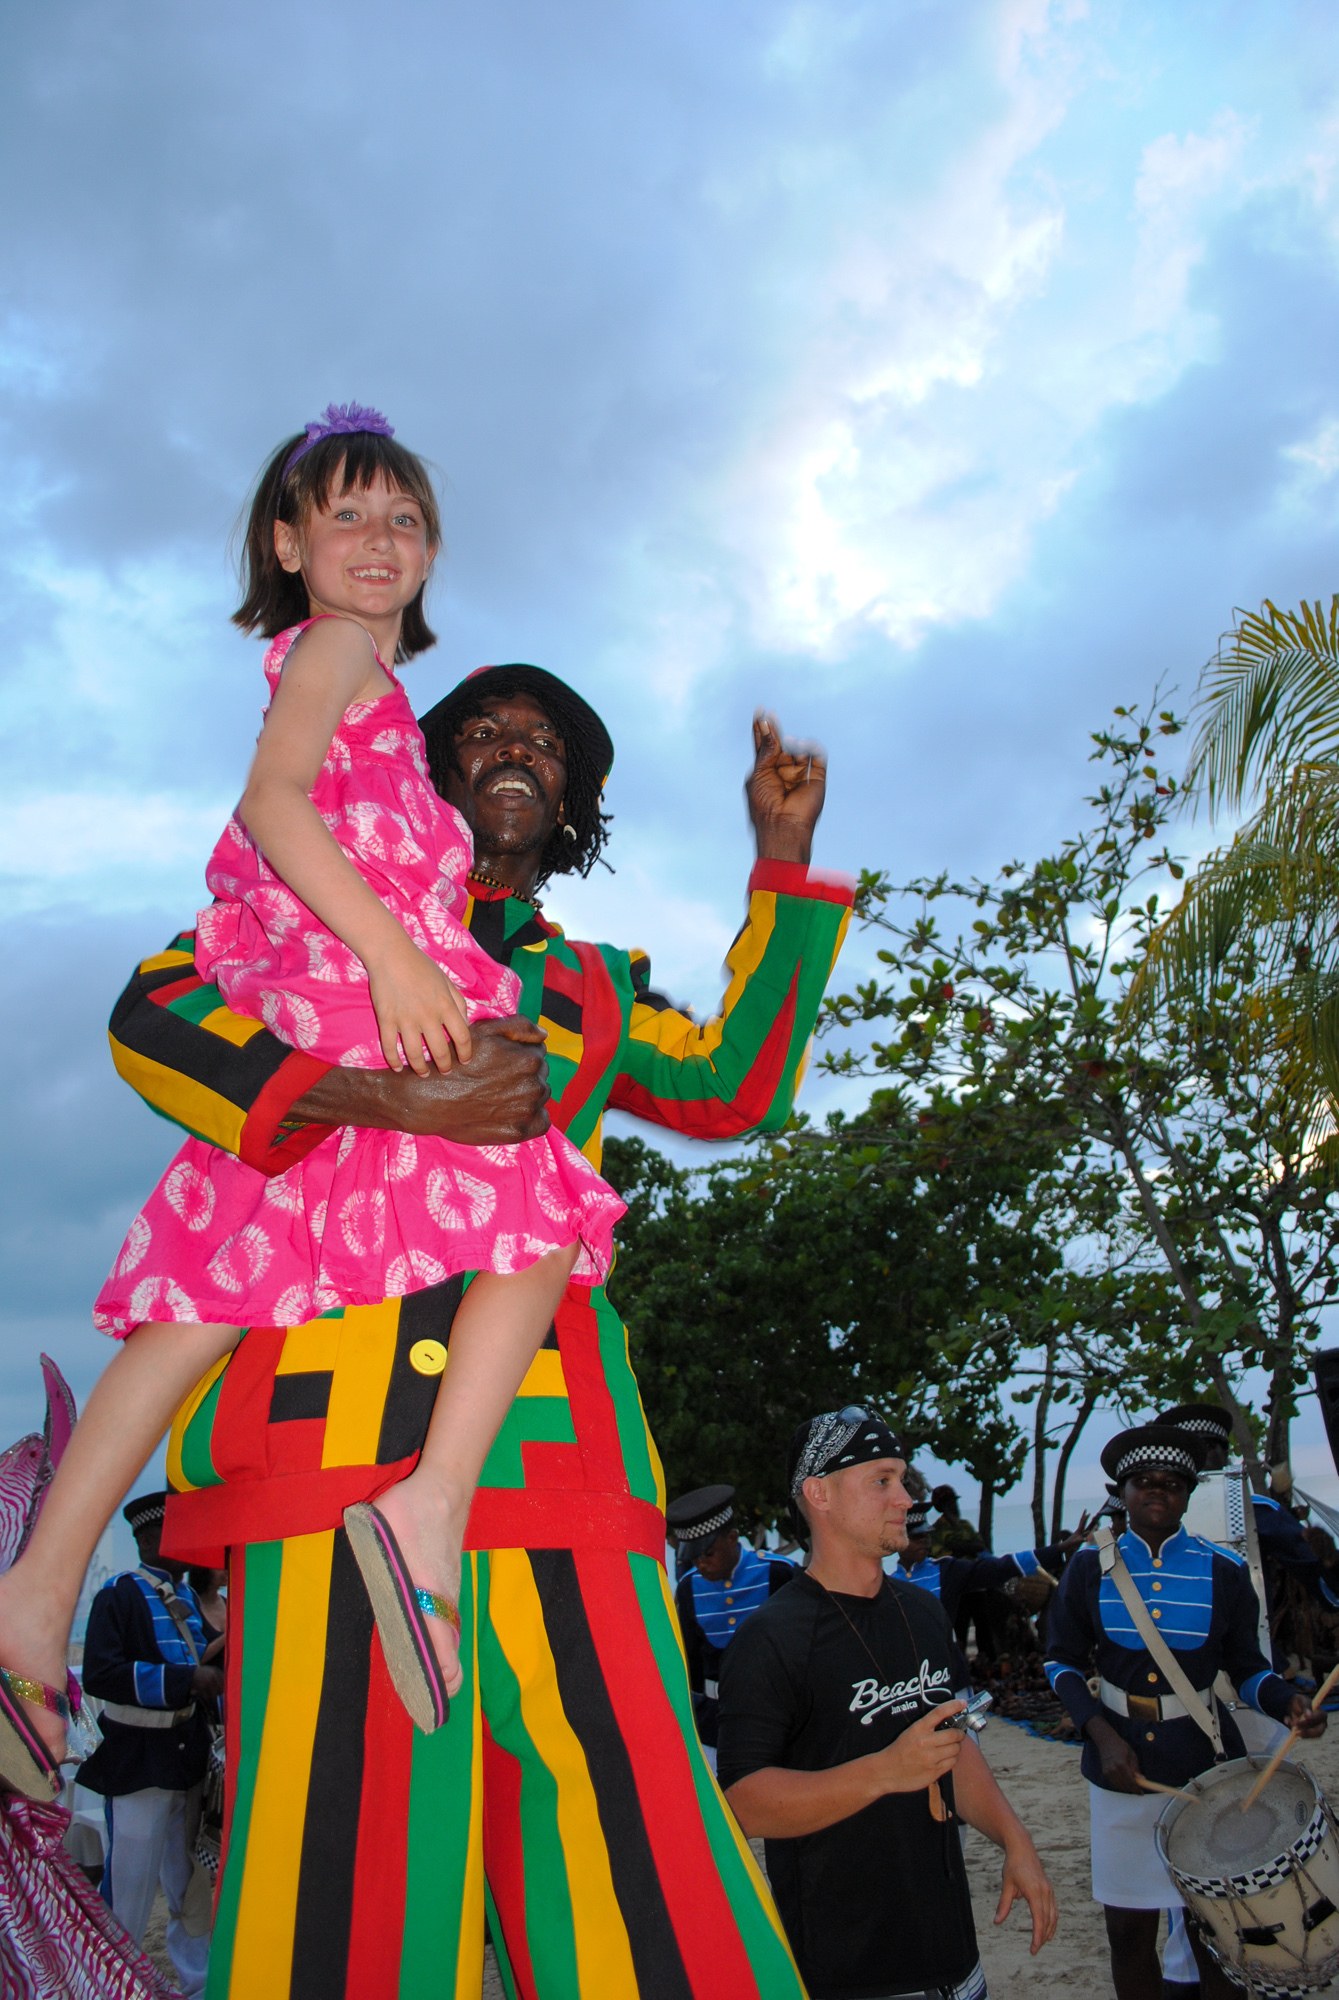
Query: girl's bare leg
x,y
131,1406
496,1334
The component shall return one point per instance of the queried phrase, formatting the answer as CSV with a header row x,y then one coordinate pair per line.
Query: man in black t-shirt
x,y
832,1745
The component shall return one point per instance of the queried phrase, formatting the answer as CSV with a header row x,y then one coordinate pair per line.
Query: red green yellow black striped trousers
x,y
566,1797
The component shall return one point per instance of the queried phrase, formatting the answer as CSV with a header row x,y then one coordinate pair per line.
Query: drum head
x,y
1212,1837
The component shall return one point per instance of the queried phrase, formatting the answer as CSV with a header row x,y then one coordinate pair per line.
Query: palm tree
x,y
1268,713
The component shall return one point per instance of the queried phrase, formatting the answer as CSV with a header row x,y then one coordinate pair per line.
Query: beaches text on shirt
x,y
869,1698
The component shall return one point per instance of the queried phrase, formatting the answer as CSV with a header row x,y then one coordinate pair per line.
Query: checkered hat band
x,y
1156,1454
711,1526
143,1515
1204,1427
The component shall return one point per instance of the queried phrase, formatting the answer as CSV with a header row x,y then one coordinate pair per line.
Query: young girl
x,y
341,888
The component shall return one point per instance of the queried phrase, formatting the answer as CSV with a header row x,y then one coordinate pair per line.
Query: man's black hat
x,y
1154,1444
571,712
918,1520
696,1518
144,1509
1207,1420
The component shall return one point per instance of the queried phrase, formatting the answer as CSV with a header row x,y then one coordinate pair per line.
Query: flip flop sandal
x,y
401,1608
26,1765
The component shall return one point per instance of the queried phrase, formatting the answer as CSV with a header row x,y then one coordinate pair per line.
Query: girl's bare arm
x,y
332,665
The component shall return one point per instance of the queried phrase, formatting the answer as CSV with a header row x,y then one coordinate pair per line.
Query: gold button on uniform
x,y
1148,1736
1154,1679
1157,1562
729,1621
427,1357
1157,1586
1156,1612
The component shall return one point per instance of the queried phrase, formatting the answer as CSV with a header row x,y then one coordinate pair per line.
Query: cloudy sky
x,y
939,373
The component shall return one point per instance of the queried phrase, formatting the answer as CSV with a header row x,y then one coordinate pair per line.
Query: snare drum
x,y
1261,1886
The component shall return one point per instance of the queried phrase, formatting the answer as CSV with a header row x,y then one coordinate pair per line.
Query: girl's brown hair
x,y
272,597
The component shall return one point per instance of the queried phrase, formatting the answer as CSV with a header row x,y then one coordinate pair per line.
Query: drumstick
x,y
1172,1791
1289,1740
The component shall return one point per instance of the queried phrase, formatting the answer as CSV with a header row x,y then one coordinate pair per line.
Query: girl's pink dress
x,y
366,1215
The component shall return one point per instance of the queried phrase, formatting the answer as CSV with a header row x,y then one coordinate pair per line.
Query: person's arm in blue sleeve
x,y
1070,1641
120,1661
1280,1536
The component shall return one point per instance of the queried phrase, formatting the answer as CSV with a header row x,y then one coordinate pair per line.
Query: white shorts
x,y
1128,1872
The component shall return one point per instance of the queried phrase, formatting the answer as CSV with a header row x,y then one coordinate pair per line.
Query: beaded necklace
x,y
487,881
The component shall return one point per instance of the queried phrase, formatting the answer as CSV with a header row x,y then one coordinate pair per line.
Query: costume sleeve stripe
x,y
221,1075
725,1077
716,1118
261,1144
181,1098
794,878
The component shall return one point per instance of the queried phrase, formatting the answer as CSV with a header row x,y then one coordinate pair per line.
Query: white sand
x,y
1044,1787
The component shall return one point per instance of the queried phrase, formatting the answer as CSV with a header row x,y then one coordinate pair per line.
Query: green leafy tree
x,y
1171,1138
856,1262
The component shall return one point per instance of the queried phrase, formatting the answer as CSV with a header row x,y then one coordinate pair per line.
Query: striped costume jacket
x,y
301,1421
567,1797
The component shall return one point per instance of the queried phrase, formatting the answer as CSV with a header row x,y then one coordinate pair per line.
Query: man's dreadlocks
x,y
587,747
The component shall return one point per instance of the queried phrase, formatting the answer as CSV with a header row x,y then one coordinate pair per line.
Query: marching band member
x,y
1199,1604
721,1583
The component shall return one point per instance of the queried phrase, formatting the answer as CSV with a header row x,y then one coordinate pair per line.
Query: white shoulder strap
x,y
1113,1565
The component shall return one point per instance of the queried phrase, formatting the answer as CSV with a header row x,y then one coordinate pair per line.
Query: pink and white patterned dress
x,y
366,1215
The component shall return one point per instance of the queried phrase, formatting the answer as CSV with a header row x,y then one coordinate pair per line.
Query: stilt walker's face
x,y
510,776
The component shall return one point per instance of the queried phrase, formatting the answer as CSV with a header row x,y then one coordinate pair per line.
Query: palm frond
x,y
1268,699
1273,892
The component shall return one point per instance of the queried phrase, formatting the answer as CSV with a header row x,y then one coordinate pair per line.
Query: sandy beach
x,y
1043,1784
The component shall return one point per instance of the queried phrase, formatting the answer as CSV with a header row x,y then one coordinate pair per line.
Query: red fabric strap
x,y
199,1526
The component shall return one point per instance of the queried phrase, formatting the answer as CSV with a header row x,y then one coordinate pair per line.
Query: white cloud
x,y
1177,194
1317,457
108,850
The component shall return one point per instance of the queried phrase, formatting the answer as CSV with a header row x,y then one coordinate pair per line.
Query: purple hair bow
x,y
339,420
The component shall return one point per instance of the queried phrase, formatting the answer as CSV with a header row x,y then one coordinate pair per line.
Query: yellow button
x,y
1148,1736
1157,1586
1154,1679
1156,1612
729,1597
427,1357
1157,1562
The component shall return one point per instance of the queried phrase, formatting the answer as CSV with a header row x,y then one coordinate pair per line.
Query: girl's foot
x,y
407,1547
32,1652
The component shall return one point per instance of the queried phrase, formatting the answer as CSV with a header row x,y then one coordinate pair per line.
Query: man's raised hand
x,y
785,792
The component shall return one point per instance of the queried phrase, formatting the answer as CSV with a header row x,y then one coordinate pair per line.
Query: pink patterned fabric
x,y
58,1939
367,1215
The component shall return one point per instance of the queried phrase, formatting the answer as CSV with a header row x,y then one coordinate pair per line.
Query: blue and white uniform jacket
x,y
711,1613
1202,1601
154,1731
951,1578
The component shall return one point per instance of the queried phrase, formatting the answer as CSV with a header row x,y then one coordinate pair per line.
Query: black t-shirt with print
x,y
814,1679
